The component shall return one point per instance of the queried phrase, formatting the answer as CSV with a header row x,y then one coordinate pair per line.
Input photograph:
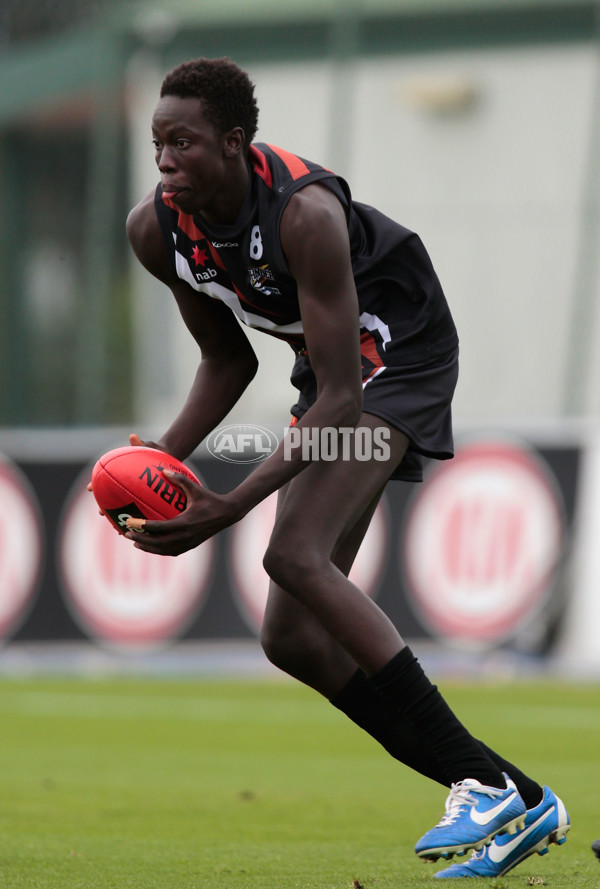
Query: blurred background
x,y
475,123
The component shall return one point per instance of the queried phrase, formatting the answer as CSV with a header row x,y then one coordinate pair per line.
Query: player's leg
x,y
364,705
296,643
292,637
317,510
546,822
313,657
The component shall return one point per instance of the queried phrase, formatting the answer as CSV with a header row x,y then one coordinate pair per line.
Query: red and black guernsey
x,y
403,312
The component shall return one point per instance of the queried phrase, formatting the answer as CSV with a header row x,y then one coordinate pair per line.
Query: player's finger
x,y
157,544
186,484
134,524
135,441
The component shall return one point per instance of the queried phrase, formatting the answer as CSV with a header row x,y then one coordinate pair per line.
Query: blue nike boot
x,y
474,815
546,823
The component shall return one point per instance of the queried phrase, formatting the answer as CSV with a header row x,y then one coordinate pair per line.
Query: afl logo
x,y
242,444
482,542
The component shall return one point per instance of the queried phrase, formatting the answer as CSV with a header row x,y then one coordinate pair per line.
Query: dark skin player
x,y
318,627
323,508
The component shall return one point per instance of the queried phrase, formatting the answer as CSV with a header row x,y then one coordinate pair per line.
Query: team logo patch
x,y
200,271
199,256
260,277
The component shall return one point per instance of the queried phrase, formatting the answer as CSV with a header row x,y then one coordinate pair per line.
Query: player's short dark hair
x,y
226,91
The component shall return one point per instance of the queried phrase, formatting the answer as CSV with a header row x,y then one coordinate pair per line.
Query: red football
x,y
129,483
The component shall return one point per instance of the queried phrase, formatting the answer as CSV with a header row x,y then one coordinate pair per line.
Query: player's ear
x,y
233,142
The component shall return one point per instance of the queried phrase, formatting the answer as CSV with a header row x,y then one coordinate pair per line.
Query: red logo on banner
x,y
249,541
482,541
21,548
119,594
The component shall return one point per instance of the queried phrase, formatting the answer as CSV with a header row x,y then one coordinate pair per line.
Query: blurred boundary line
x,y
234,659
220,659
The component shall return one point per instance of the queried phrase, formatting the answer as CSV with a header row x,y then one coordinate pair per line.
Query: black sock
x,y
403,682
531,792
360,701
370,710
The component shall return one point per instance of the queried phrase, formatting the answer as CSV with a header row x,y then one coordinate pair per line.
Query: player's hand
x,y
205,515
136,442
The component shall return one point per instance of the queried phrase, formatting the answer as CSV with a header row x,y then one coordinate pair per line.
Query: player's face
x,y
191,157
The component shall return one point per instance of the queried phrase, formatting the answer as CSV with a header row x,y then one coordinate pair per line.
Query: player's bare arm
x,y
228,361
315,241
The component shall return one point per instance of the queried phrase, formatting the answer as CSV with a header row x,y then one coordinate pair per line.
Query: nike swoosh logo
x,y
485,817
499,853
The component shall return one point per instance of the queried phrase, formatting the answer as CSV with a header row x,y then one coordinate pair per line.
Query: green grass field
x,y
192,784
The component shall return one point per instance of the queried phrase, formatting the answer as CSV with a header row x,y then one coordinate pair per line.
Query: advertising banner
x,y
476,556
